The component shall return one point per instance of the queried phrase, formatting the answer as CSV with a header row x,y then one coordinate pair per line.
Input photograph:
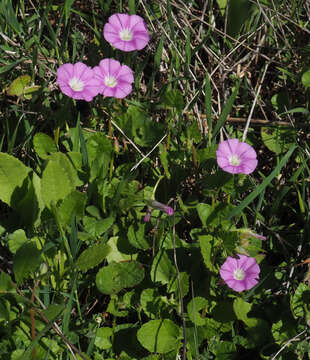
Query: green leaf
x,y
159,336
26,261
4,311
97,227
103,338
153,304
241,309
6,283
30,204
222,5
164,160
206,245
16,240
99,150
72,205
305,78
278,140
139,127
207,153
300,301
67,6
283,330
194,308
8,13
118,254
225,350
53,311
239,12
92,256
44,145
17,88
162,269
173,286
113,278
137,238
58,180
172,99
214,215
12,176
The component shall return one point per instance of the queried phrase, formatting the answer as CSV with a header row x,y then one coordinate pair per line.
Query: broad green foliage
x,y
278,140
13,174
162,268
113,278
161,336
59,179
44,145
306,78
26,261
103,338
90,266
138,125
300,302
92,256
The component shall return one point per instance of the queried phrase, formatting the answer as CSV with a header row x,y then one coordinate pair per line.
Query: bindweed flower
x,y
240,273
162,207
147,216
249,233
115,79
236,157
77,81
126,32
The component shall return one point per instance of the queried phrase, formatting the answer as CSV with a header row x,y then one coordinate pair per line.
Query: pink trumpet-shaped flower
x,y
153,204
236,157
126,32
147,216
77,81
240,273
162,207
115,79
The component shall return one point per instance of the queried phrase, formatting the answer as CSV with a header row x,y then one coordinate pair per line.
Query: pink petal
x,y
66,89
140,43
64,72
114,67
110,33
249,283
222,161
246,151
123,91
223,149
135,20
233,145
230,263
248,166
78,69
236,285
232,169
125,45
125,74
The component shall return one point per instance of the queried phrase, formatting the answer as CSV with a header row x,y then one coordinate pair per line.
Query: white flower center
x,y
76,84
234,160
126,34
110,81
239,274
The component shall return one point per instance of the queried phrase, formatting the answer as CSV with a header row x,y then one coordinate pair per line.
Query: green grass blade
x,y
208,105
237,210
67,6
132,6
225,112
